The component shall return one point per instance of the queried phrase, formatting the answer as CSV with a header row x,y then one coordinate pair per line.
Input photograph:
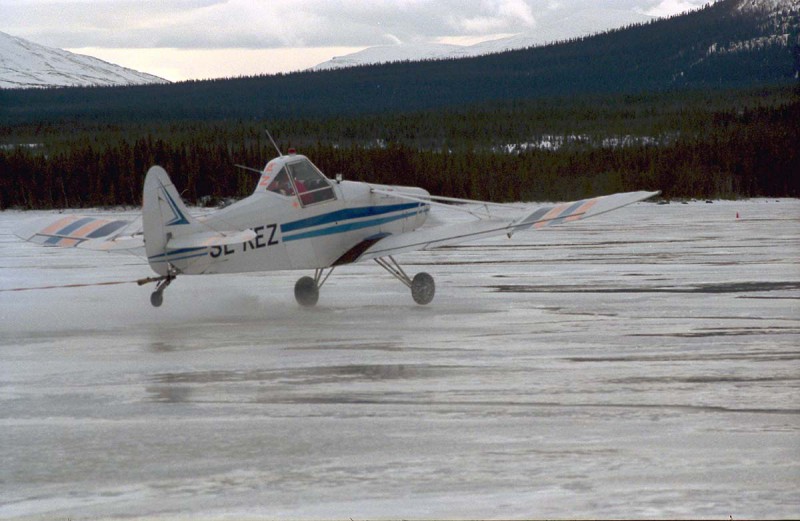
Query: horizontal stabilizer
x,y
124,243
208,239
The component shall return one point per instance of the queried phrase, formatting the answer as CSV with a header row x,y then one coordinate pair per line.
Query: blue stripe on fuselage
x,y
184,257
347,227
177,252
346,215
333,217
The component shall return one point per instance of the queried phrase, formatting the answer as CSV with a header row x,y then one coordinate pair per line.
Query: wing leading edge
x,y
87,232
440,236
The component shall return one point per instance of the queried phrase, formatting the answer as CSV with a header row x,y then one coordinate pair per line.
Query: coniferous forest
x,y
591,116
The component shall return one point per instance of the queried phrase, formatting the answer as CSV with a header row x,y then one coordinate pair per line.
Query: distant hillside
x,y
552,25
732,43
24,64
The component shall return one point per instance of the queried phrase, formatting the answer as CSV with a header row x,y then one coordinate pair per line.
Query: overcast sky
x,y
183,39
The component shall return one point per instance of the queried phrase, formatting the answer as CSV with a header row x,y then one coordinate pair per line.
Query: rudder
x,y
164,216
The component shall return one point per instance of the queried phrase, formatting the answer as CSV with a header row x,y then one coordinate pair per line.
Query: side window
x,y
311,185
281,184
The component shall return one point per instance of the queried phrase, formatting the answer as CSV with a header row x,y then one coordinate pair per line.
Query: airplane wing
x,y
532,218
88,232
114,234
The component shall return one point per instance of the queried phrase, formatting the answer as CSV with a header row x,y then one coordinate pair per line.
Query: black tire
x,y
306,292
423,288
156,298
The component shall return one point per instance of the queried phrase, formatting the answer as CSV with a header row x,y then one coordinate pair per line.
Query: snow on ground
x,y
644,363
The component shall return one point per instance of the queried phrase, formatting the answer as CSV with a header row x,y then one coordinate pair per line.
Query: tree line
x,y
684,148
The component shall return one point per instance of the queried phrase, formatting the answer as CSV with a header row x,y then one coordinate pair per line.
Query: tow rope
x,y
140,282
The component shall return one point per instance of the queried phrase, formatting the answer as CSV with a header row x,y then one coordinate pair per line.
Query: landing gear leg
x,y
422,285
306,290
157,297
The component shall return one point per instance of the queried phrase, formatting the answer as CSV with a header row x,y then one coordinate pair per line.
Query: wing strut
x,y
434,200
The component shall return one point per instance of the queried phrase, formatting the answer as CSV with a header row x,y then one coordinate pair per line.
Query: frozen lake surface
x,y
644,363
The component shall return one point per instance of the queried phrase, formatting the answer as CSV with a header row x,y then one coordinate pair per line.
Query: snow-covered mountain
x,y
552,26
24,64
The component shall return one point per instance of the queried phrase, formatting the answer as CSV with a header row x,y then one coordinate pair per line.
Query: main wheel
x,y
306,292
422,288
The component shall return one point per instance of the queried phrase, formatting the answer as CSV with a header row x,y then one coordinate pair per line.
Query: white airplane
x,y
297,219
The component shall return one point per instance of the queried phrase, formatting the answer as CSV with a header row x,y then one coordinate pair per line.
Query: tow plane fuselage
x,y
301,220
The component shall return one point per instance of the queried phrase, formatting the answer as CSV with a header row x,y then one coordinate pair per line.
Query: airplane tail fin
x,y
172,237
164,217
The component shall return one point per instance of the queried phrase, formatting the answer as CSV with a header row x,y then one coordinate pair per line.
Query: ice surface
x,y
644,363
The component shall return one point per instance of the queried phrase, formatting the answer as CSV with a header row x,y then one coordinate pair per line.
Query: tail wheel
x,y
306,292
423,288
157,298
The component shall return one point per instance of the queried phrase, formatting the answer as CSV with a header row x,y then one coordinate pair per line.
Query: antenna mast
x,y
273,142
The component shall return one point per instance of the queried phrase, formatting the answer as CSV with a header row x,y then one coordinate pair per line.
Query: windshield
x,y
311,185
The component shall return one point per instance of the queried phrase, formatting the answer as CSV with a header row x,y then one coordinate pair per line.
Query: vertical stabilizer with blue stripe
x,y
164,217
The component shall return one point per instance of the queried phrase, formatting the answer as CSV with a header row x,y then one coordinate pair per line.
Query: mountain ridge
x,y
26,64
725,45
554,28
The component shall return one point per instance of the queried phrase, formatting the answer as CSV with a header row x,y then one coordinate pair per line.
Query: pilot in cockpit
x,y
281,184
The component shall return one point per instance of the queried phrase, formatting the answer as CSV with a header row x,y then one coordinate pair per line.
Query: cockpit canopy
x,y
297,177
